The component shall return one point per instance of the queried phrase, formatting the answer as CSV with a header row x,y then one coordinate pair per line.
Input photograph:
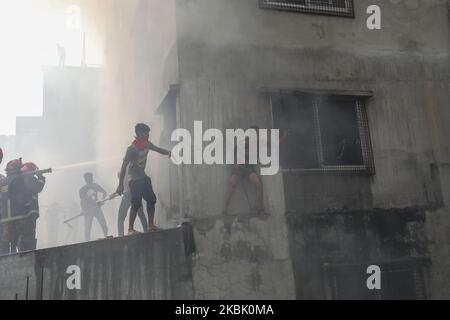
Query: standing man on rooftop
x,y
140,183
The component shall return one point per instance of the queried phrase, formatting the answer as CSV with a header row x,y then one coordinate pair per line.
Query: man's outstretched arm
x,y
101,190
162,151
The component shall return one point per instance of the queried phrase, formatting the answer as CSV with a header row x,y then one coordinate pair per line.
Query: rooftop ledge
x,y
149,266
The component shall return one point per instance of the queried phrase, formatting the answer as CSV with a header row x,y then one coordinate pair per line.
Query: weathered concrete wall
x,y
223,65
352,238
437,228
229,49
145,267
225,51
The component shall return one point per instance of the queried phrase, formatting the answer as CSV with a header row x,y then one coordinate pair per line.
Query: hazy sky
x,y
28,38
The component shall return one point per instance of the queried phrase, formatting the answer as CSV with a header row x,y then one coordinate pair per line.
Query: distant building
x,y
71,98
64,135
8,145
28,134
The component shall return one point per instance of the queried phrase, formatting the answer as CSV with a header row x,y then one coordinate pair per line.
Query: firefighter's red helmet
x,y
14,166
29,167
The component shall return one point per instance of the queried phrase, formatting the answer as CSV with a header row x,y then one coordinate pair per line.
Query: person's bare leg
x,y
102,221
136,204
143,218
150,199
231,189
256,181
125,205
88,219
151,216
133,215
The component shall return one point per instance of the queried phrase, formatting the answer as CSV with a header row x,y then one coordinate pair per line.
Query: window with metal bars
x,y
330,7
402,280
326,133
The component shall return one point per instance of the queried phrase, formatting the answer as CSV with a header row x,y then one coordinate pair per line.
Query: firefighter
x,y
8,233
34,184
2,196
18,222
1,177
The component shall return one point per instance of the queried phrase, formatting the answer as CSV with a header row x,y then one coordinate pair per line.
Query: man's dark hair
x,y
254,127
142,128
88,175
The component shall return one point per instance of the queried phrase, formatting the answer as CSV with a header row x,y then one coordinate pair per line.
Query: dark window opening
x,y
400,284
326,133
340,137
330,7
300,149
399,281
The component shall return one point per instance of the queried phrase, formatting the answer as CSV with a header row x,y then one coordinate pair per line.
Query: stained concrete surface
x,y
144,267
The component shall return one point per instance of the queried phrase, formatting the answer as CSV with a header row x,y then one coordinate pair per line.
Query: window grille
x,y
329,7
326,133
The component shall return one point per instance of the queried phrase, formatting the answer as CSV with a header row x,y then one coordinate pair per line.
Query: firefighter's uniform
x,y
19,214
3,208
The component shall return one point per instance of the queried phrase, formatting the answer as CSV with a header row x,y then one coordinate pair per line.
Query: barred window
x,y
331,7
326,133
400,280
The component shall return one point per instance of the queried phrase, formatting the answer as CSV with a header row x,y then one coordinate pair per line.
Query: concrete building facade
x,y
365,177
